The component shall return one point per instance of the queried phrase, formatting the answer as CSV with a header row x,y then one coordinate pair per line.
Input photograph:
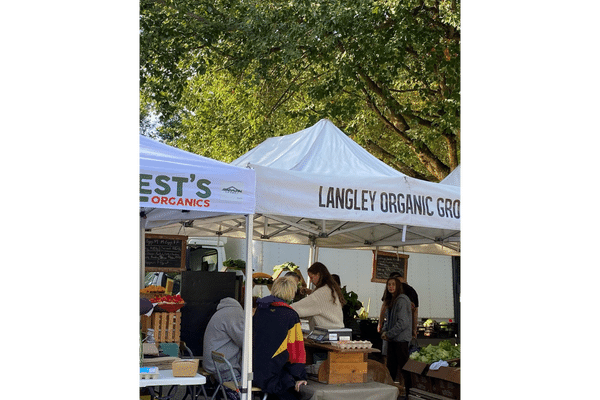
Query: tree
x,y
385,72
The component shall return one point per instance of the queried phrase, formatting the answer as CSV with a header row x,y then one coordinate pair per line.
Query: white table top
x,y
166,378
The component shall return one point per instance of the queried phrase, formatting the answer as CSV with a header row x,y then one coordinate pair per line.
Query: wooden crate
x,y
445,381
344,368
167,326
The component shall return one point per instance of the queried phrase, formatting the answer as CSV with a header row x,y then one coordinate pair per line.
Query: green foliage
x,y
235,264
352,305
262,281
225,75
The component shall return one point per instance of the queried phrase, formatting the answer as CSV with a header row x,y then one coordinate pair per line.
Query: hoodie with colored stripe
x,y
278,346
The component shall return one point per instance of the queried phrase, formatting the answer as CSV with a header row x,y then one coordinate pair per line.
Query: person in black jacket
x,y
145,306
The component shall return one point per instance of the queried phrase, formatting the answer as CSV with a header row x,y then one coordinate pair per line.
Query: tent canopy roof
x,y
321,149
453,178
177,186
317,186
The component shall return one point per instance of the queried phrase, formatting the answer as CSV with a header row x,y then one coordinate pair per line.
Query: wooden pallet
x,y
167,326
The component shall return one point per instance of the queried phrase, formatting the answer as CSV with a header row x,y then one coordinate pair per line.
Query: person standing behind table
x,y
414,298
278,347
225,334
397,330
323,307
299,292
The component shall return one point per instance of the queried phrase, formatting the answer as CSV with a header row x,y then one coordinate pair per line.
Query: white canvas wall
x,y
430,275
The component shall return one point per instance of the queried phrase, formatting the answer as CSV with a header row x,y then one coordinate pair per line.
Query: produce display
x,y
445,350
262,281
167,299
429,323
167,303
153,289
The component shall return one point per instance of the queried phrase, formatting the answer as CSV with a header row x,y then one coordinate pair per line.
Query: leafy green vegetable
x,y
445,350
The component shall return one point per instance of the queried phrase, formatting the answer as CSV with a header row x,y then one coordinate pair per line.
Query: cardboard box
x,y
185,367
445,382
418,375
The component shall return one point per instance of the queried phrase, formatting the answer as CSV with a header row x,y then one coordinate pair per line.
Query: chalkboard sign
x,y
385,263
165,253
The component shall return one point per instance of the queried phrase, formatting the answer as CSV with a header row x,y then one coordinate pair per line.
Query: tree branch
x,y
452,143
285,96
388,158
433,164
399,121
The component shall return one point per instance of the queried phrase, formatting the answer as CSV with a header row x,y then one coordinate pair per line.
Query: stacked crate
x,y
166,325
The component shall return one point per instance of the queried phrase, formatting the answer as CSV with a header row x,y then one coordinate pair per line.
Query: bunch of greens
x,y
262,281
235,264
290,266
445,350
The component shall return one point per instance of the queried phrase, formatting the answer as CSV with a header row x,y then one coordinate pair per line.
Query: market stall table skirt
x,y
348,391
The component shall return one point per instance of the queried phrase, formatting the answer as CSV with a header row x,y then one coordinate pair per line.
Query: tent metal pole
x,y
312,252
142,251
247,348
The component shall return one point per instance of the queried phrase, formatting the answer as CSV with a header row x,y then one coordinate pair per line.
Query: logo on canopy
x,y
232,191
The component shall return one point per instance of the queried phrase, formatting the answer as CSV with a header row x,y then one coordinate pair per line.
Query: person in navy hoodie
x,y
278,346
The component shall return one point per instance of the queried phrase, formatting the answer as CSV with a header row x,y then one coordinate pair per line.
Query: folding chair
x,y
219,360
186,352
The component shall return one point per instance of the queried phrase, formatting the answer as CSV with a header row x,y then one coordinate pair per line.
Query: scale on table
x,y
327,335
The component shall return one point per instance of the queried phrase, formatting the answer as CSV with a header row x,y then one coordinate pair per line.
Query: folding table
x,y
166,378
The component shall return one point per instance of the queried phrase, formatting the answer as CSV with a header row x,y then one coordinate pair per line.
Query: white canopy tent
x,y
453,178
318,187
178,186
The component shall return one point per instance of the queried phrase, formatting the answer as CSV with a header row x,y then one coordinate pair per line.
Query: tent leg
x,y
247,347
142,251
257,248
312,253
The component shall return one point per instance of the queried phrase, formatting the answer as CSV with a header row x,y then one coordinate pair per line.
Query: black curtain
x,y
457,290
202,291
